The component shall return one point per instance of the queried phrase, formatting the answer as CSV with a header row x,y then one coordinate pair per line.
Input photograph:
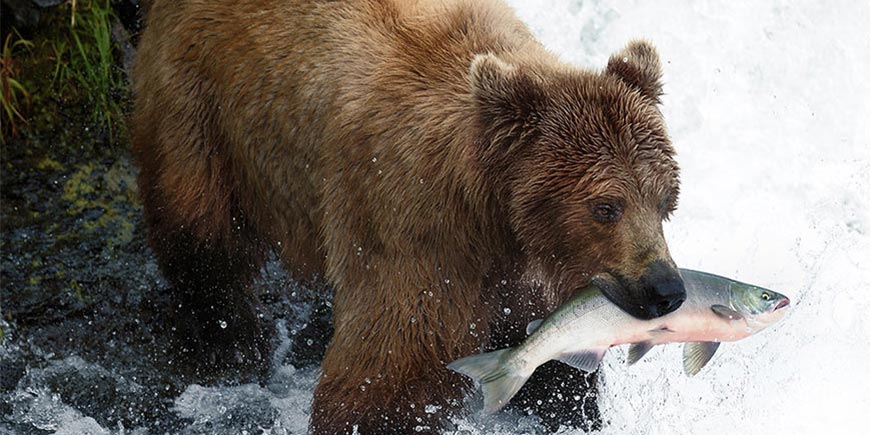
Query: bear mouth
x,y
621,293
615,292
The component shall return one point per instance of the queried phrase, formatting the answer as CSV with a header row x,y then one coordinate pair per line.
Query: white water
x,y
768,106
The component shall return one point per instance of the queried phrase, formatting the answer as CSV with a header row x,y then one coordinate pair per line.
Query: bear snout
x,y
664,290
657,292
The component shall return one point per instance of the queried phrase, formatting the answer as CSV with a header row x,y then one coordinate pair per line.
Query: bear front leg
x,y
385,369
209,251
219,332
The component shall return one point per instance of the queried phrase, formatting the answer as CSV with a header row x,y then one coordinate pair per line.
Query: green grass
x,y
86,58
71,78
14,98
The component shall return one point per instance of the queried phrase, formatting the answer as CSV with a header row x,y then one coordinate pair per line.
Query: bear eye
x,y
607,212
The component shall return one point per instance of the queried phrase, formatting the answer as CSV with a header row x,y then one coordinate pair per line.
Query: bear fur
x,y
431,161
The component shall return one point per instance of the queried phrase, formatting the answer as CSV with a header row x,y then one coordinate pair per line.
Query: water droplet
x,y
447,281
504,282
374,159
472,326
413,319
223,324
507,310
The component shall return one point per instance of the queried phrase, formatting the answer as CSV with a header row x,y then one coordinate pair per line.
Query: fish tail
x,y
498,383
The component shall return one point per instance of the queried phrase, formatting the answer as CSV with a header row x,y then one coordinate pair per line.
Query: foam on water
x,y
767,106
280,408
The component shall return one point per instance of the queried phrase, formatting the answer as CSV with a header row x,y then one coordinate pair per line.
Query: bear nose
x,y
669,298
665,290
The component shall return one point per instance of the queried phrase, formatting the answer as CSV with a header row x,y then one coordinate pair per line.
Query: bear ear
x,y
505,96
638,66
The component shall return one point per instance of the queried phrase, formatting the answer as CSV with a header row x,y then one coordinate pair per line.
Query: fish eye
x,y
765,296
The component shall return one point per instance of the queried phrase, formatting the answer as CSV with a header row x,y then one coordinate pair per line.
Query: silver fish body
x,y
580,331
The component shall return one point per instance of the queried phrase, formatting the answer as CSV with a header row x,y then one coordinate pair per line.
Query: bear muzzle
x,y
657,292
664,288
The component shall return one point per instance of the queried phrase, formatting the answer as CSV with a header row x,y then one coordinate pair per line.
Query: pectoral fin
x,y
726,312
533,326
637,350
586,360
697,355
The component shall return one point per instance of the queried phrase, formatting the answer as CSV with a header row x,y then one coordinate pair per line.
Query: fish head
x,y
761,307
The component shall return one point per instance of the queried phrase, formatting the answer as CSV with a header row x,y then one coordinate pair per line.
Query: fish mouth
x,y
782,304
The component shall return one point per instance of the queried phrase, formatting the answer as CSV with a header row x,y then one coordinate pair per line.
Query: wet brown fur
x,y
430,160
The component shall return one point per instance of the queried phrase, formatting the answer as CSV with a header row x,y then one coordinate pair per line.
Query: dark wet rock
x,y
20,13
24,15
48,3
11,370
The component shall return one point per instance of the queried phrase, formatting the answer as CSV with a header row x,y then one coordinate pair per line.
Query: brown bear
x,y
430,160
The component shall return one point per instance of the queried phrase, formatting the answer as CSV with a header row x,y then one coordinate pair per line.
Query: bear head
x,y
585,168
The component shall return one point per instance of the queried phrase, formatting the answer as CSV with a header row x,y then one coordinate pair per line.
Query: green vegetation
x,y
13,93
91,62
70,76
